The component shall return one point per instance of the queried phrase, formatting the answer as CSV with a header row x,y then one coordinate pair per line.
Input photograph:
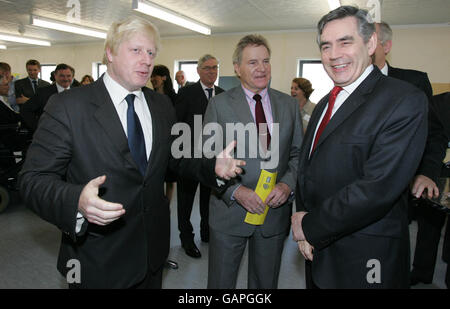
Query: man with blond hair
x,y
97,164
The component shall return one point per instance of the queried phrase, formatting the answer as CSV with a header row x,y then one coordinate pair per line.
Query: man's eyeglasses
x,y
209,69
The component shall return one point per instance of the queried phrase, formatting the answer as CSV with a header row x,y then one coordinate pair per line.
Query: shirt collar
x,y
205,87
384,70
117,92
249,94
350,88
60,89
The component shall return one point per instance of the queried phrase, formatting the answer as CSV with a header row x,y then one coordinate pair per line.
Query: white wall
x,y
421,48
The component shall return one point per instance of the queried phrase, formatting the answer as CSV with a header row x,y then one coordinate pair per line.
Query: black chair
x,y
14,141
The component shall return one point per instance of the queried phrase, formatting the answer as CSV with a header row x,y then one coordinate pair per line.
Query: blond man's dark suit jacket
x,y
80,137
354,185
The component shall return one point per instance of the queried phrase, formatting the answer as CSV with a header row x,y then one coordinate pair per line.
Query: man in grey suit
x,y
245,105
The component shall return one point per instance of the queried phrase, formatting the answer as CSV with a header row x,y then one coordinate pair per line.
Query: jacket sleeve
x,y
435,148
42,179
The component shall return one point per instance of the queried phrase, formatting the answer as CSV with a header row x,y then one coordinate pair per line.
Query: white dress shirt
x,y
61,89
340,99
206,91
385,69
118,94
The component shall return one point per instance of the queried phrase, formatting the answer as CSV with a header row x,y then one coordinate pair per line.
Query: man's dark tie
x,y
136,140
327,117
34,85
260,118
210,92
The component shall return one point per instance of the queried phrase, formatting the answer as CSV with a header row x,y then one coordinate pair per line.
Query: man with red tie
x,y
362,147
253,104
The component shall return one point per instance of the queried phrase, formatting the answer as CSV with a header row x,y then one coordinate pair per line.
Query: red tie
x,y
261,119
326,118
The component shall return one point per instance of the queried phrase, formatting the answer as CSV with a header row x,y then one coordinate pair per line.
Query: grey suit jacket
x,y
231,107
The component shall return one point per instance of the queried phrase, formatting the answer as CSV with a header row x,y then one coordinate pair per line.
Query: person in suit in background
x,y
430,220
74,82
384,46
180,77
27,87
97,163
275,118
416,78
32,110
192,101
301,89
362,147
7,117
10,97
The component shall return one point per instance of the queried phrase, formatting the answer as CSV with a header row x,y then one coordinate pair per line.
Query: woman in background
x,y
301,89
162,83
86,80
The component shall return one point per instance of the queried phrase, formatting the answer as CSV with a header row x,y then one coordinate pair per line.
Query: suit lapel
x,y
314,122
200,96
156,125
108,119
240,106
353,102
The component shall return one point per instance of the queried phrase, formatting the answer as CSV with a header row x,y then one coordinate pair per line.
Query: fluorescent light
x,y
60,26
334,4
169,16
2,46
19,39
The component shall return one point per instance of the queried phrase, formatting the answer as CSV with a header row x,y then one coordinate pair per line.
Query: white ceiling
x,y
223,16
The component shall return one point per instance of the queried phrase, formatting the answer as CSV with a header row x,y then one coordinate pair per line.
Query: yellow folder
x,y
266,182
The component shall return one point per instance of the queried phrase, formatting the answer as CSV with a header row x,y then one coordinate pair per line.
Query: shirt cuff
x,y
232,194
80,221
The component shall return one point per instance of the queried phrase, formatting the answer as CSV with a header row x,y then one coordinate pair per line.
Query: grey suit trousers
x,y
225,255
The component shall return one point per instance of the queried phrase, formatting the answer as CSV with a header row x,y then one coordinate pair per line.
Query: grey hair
x,y
251,39
366,26
205,58
385,32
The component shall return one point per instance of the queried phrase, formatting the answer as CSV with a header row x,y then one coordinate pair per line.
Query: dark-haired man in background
x,y
33,108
